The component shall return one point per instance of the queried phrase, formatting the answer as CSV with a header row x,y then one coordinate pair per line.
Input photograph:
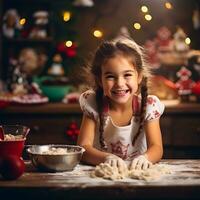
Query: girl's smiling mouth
x,y
120,92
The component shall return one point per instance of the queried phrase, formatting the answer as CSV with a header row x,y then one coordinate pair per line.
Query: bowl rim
x,y
54,145
27,130
11,141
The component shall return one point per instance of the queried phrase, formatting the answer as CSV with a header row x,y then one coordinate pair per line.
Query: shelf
x,y
48,108
175,108
29,40
59,107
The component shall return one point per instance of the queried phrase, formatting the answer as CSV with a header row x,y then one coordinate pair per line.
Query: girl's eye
x,y
110,77
128,75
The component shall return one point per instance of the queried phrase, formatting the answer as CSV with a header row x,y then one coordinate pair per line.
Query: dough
x,y
153,173
106,171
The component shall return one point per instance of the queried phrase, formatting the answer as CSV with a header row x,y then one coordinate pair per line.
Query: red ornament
x,y
196,88
71,51
69,132
61,47
73,126
68,51
184,84
72,131
76,132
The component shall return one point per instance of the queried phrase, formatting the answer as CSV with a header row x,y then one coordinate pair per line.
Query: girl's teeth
x,y
120,92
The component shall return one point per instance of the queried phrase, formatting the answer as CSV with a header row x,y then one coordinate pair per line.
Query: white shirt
x,y
119,138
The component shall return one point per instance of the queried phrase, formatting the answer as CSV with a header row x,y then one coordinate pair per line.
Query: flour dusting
x,y
174,172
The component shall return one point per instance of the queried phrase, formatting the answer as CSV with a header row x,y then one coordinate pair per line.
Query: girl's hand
x,y
116,161
140,162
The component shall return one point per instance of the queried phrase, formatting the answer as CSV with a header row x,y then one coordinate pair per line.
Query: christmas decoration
x,y
83,3
163,88
72,97
19,82
11,26
152,54
28,61
164,44
69,52
184,84
22,70
196,90
194,64
164,40
165,50
179,41
72,131
56,68
196,19
41,22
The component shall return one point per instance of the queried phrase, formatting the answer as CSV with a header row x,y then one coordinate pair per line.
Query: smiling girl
x,y
120,120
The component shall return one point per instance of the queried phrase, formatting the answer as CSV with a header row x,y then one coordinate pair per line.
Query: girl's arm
x,y
86,138
154,141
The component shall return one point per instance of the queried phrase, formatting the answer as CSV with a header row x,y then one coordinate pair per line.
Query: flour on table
x,y
106,171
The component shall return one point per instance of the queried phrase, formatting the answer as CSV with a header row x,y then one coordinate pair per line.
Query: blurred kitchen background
x,y
44,43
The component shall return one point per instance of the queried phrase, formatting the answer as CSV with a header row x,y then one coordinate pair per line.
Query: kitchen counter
x,y
46,108
183,183
49,123
171,106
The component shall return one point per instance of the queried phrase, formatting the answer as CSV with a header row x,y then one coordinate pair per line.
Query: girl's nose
x,y
120,81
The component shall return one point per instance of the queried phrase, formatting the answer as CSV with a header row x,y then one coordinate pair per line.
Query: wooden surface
x,y
52,108
181,107
47,108
183,183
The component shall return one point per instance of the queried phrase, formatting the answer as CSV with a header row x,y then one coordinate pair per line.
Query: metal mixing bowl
x,y
55,162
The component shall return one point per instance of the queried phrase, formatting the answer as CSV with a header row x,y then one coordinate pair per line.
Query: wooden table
x,y
183,183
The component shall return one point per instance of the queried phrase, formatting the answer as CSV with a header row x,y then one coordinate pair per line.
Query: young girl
x,y
120,120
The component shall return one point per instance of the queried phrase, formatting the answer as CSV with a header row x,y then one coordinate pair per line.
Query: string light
x,y
98,33
137,25
22,21
148,17
168,5
144,9
68,43
187,40
66,16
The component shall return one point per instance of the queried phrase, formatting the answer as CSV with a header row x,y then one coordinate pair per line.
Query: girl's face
x,y
119,79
